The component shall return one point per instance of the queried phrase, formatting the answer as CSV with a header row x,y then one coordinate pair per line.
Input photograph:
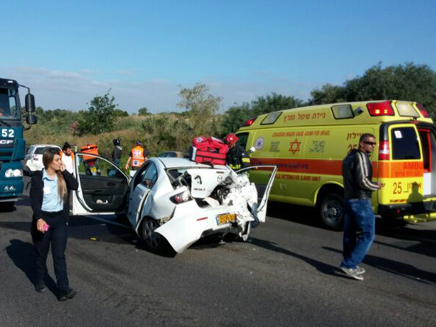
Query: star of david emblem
x,y
295,146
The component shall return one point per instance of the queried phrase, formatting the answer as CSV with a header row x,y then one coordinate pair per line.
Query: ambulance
x,y
308,145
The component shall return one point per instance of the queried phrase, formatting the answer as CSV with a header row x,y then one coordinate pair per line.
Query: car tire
x,y
8,206
153,242
331,210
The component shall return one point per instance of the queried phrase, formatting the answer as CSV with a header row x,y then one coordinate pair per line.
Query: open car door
x,y
263,186
103,187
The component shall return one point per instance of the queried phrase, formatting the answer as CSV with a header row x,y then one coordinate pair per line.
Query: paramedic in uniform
x,y
137,155
359,220
237,157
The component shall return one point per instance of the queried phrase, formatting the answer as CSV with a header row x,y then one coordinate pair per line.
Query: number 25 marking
x,y
398,189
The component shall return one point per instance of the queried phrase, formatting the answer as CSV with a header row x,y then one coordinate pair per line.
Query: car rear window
x,y
405,145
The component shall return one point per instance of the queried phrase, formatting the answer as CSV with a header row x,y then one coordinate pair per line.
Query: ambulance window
x,y
343,111
271,118
405,145
243,137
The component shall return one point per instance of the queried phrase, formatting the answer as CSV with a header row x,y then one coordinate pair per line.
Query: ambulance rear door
x,y
401,165
428,143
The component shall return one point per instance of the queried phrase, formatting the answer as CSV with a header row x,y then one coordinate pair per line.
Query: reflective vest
x,y
138,156
91,149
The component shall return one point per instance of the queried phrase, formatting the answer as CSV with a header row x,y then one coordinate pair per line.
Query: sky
x,y
144,52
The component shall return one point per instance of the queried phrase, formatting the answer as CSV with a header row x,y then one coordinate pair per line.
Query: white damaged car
x,y
175,201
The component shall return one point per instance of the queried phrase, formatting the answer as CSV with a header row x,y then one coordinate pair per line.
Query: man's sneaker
x,y
67,294
40,287
360,270
352,273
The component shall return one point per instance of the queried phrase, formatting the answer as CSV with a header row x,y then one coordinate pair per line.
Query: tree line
x,y
201,110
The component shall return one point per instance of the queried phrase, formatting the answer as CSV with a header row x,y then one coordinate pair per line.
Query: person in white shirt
x,y
68,157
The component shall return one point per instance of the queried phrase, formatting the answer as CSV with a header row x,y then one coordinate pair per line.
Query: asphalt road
x,y
287,275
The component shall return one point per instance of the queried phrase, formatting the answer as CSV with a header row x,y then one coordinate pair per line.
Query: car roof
x,y
44,146
185,163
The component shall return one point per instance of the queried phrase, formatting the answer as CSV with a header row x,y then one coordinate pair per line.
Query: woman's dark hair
x,y
47,158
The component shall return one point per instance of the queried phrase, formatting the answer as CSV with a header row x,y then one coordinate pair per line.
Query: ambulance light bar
x,y
380,108
249,122
423,111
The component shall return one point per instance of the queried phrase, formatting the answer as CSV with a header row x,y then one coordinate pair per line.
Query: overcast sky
x,y
68,52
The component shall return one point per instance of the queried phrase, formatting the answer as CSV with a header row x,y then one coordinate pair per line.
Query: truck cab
x,y
12,143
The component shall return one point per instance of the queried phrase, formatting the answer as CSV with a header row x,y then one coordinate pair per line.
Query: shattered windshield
x,y
9,109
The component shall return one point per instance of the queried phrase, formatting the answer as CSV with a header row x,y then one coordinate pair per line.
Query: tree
x,y
120,113
100,116
236,115
327,94
202,108
143,112
403,82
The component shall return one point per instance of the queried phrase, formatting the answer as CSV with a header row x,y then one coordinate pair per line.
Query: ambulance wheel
x,y
331,210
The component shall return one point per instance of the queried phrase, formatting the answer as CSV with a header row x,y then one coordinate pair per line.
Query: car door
x,y
263,187
140,189
102,190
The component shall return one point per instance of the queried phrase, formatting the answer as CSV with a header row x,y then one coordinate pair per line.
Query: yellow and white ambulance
x,y
308,145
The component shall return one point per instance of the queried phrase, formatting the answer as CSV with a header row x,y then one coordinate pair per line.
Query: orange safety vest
x,y
91,149
138,156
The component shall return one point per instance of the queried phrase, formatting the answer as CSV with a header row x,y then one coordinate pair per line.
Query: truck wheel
x,y
332,211
8,206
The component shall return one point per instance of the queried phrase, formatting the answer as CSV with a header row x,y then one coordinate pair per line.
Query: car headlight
x,y
181,197
13,173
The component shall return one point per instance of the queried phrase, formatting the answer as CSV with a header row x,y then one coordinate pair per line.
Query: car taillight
x,y
423,111
383,150
249,122
181,197
380,108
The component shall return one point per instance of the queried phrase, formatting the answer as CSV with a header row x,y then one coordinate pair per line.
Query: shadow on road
x,y
425,239
298,214
22,255
397,268
320,266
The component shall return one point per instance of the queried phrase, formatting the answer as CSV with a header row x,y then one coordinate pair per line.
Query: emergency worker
x,y
236,157
117,152
90,162
137,155
67,156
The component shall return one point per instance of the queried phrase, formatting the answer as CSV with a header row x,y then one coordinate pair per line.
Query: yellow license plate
x,y
226,218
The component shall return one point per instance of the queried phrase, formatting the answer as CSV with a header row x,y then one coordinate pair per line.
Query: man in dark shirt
x,y
359,225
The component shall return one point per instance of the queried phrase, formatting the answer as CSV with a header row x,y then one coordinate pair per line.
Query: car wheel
x,y
332,211
8,206
153,242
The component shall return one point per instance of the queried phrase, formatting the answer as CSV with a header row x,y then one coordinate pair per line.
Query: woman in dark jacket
x,y
49,198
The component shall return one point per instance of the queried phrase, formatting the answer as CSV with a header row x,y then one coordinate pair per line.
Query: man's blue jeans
x,y
359,231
